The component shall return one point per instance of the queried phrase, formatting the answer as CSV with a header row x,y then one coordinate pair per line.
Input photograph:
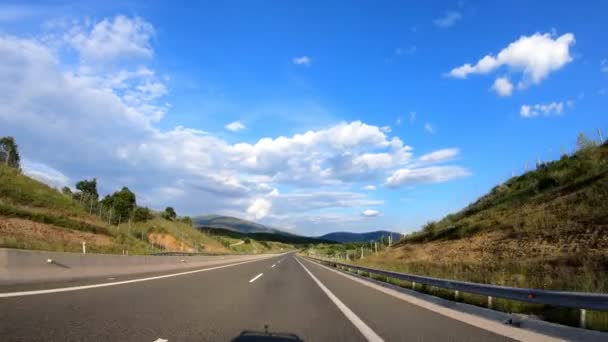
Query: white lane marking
x,y
369,334
256,277
499,328
273,265
84,287
161,340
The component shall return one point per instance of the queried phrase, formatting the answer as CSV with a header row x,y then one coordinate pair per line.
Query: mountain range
x,y
249,227
346,237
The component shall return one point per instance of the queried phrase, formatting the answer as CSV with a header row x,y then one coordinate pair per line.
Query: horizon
x,y
354,118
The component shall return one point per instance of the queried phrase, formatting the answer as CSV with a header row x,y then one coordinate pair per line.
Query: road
x,y
293,298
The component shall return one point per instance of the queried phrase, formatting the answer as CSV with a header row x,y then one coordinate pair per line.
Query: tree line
x,y
120,206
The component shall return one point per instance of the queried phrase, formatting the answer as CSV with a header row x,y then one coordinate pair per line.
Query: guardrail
x,y
578,300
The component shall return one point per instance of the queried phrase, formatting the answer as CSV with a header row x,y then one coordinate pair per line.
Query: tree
x,y
122,204
9,153
169,213
583,143
88,188
66,191
187,220
142,214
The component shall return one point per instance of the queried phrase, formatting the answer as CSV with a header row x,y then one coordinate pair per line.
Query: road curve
x,y
285,296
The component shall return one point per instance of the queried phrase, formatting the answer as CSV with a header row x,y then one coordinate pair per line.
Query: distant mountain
x,y
234,224
344,237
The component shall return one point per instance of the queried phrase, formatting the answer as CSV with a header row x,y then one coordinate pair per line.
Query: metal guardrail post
x,y
489,302
583,322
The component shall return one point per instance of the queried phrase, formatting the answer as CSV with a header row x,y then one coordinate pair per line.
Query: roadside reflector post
x,y
84,247
455,294
49,261
583,318
413,285
489,302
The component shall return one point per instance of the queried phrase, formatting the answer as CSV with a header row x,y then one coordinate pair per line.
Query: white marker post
x,y
84,247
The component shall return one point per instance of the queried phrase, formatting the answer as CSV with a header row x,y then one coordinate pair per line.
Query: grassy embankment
x,y
36,216
545,229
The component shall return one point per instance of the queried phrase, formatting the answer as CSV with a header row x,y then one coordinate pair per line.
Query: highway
x,y
282,298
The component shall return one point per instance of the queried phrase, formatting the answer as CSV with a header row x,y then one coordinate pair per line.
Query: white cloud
x,y
448,19
549,109
429,128
535,56
431,174
303,60
259,209
111,39
370,213
369,187
440,155
235,126
386,129
115,112
44,173
604,65
503,86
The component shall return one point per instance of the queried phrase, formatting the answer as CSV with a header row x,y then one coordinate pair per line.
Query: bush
x,y
247,240
142,214
546,182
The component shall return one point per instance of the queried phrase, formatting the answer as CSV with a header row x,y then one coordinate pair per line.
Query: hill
x,y
345,237
36,216
546,229
284,238
234,224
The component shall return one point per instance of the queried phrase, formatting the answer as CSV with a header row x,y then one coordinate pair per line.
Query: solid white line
x,y
273,265
369,334
256,277
161,340
499,328
84,287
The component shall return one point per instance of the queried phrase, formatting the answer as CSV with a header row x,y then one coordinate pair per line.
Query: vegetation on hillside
x,y
33,215
547,229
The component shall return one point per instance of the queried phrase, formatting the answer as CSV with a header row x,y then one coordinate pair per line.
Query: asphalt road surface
x,y
283,298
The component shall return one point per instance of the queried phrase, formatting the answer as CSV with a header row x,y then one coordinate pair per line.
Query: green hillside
x,y
233,223
33,215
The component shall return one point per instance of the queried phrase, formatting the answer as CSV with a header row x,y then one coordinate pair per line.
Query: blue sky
x,y
309,116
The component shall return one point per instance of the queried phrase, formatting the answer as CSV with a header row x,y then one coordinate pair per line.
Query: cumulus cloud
x,y
110,39
432,174
112,117
503,87
440,155
235,126
370,213
535,57
45,173
259,209
303,61
549,109
448,19
369,187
